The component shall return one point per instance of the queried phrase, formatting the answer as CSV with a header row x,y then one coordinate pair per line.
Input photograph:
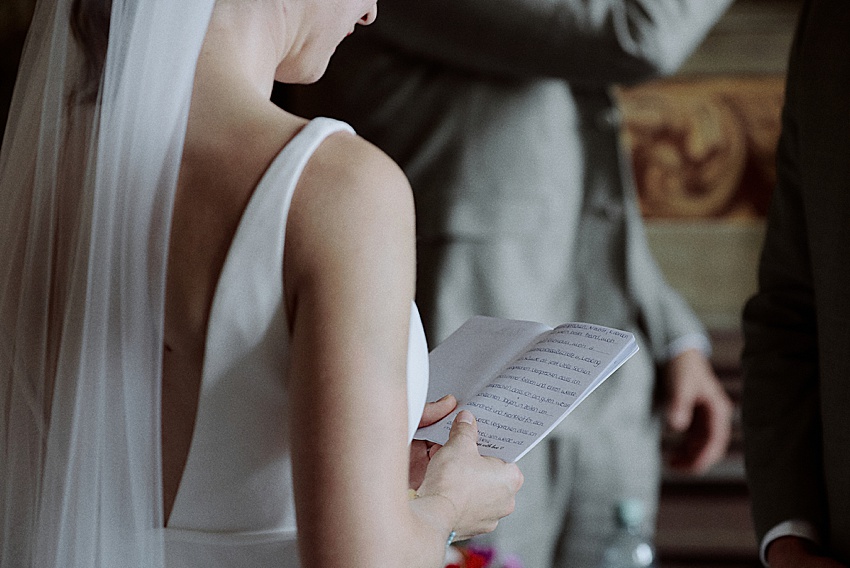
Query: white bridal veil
x,y
86,184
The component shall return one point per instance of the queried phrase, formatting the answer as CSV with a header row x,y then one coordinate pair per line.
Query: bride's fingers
x,y
436,411
419,458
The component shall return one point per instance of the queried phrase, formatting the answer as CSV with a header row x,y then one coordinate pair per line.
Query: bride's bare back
x,y
225,156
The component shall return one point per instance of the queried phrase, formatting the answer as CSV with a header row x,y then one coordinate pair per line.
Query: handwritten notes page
x,y
519,378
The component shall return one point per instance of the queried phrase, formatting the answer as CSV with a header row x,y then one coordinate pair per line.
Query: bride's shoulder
x,y
346,166
352,207
346,178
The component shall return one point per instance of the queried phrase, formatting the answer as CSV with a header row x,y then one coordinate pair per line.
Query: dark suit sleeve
x,y
593,42
781,405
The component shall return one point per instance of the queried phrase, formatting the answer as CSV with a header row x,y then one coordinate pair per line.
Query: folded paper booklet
x,y
520,378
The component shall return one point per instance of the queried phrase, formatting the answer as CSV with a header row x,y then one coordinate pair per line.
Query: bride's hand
x,y
480,489
422,450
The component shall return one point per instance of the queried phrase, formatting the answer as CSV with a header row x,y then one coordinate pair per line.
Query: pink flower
x,y
479,556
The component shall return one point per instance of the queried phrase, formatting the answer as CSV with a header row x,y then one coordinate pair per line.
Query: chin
x,y
303,76
318,74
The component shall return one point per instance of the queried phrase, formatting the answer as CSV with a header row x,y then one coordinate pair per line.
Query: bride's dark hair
x,y
90,26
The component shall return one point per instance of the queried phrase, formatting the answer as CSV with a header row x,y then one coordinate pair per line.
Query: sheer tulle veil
x,y
87,177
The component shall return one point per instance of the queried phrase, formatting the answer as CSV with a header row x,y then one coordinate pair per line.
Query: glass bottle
x,y
628,547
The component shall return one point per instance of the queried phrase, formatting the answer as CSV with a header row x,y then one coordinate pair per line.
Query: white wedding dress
x,y
89,165
234,507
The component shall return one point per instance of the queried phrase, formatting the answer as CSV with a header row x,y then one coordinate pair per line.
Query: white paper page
x,y
517,405
465,361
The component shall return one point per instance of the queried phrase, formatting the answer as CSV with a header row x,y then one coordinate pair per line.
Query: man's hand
x,y
698,408
421,450
795,552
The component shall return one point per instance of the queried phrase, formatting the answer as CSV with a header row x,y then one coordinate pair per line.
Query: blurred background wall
x,y
702,146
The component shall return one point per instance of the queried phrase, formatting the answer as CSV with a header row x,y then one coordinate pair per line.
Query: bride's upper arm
x,y
349,270
351,214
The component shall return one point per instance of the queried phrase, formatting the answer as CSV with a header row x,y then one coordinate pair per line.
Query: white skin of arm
x,y
349,280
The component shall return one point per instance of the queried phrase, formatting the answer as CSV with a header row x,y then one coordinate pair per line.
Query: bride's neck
x,y
241,51
231,91
231,109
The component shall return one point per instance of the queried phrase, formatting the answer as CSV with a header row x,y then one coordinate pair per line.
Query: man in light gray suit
x,y
797,326
500,113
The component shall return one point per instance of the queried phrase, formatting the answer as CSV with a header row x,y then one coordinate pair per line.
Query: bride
x,y
209,352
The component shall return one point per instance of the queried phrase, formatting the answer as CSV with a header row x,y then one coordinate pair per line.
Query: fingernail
x,y
465,416
444,398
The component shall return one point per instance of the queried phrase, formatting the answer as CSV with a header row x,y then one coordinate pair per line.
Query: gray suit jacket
x,y
502,119
797,359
